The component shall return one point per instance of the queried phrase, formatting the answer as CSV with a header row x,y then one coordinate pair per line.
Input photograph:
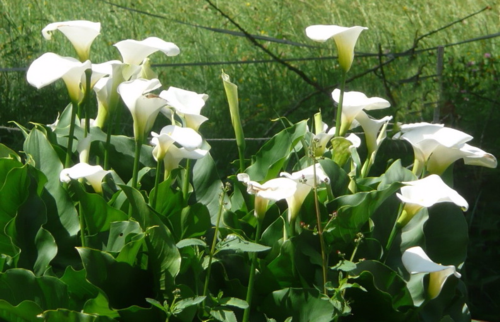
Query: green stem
x,y
138,147
157,182
324,264
339,107
107,147
212,248
82,225
246,315
394,230
185,183
74,106
86,100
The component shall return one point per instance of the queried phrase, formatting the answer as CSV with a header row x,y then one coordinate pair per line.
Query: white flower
x,y
175,155
80,33
425,193
187,105
274,189
305,180
92,173
438,147
186,137
51,67
354,103
144,107
345,39
371,127
416,261
134,52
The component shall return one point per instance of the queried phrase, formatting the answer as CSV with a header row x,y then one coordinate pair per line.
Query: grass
x,y
270,90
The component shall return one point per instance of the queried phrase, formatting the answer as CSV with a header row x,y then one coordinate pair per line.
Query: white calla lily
x,y
187,105
51,67
437,147
134,51
92,173
188,138
371,128
442,157
305,180
106,88
80,33
425,193
274,189
345,39
416,261
144,107
354,103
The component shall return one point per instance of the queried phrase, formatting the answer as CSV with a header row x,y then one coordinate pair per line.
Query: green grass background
x,y
469,95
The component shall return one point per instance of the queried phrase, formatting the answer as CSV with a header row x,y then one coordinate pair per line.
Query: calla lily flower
x,y
438,147
51,67
187,105
425,193
416,261
345,39
92,173
371,128
106,88
325,136
144,107
354,103
305,182
274,189
186,137
134,52
80,33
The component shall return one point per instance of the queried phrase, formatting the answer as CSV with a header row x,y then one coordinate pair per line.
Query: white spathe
x,y
80,33
416,261
354,103
51,67
144,107
187,104
135,51
92,173
345,39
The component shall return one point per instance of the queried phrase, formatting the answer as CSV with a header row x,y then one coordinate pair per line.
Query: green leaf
x,y
301,304
26,311
353,211
386,298
185,303
71,316
110,275
62,218
223,315
446,234
100,306
193,221
163,254
233,301
80,289
8,153
120,233
340,150
18,285
191,242
207,186
271,157
235,242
